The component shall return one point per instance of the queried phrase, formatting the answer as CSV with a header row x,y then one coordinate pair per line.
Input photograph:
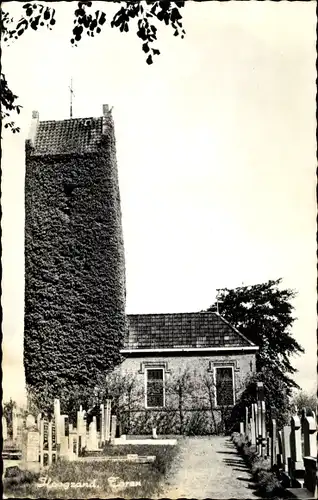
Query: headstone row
x,y
46,440
291,450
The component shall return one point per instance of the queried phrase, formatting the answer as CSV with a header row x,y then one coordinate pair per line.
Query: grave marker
x,y
273,444
108,419
30,422
92,443
14,424
4,428
310,437
30,445
102,425
113,428
286,446
57,414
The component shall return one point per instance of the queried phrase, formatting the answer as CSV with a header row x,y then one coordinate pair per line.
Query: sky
x,y
216,154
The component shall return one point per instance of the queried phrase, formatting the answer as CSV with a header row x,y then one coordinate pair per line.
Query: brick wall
x,y
195,399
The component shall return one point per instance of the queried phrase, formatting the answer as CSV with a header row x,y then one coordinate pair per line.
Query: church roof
x,y
75,135
175,331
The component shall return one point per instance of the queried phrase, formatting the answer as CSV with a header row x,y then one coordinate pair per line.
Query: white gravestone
x,y
57,414
113,428
31,445
30,422
310,437
92,443
4,428
108,410
286,446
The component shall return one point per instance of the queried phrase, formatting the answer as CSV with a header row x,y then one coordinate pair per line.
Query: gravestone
x,y
286,446
57,414
310,437
273,443
38,420
102,424
263,430
14,425
113,428
92,443
73,445
81,429
295,443
30,422
4,428
108,419
30,445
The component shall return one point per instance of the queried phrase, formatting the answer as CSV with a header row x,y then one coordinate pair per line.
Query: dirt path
x,y
208,467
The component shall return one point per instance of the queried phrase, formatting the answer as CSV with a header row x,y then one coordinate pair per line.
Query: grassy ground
x,y
92,480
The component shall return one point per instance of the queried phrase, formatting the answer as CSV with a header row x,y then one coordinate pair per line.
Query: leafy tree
x,y
145,16
263,313
277,402
303,399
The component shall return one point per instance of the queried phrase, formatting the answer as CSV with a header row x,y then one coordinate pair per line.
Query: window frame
x,y
233,385
161,368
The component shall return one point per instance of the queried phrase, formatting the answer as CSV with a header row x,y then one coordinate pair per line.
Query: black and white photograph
x,y
159,269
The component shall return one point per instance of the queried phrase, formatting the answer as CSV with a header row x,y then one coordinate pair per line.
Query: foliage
x,y
267,484
263,313
275,396
145,16
74,274
303,399
185,412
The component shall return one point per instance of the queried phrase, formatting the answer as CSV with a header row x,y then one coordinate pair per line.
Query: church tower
x,y
74,254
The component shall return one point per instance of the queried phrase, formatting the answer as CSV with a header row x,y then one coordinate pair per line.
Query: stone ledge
x,y
168,442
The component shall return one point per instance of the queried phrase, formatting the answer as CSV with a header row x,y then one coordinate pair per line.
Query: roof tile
x,y
75,135
199,329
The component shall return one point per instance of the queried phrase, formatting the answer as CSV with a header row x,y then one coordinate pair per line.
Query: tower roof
x,y
78,135
74,135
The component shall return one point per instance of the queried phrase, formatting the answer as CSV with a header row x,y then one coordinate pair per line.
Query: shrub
x,y
266,480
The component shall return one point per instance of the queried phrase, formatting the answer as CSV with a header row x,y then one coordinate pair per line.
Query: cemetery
x,y
290,453
52,448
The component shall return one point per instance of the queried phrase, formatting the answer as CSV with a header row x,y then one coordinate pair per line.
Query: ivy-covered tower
x,y
74,255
